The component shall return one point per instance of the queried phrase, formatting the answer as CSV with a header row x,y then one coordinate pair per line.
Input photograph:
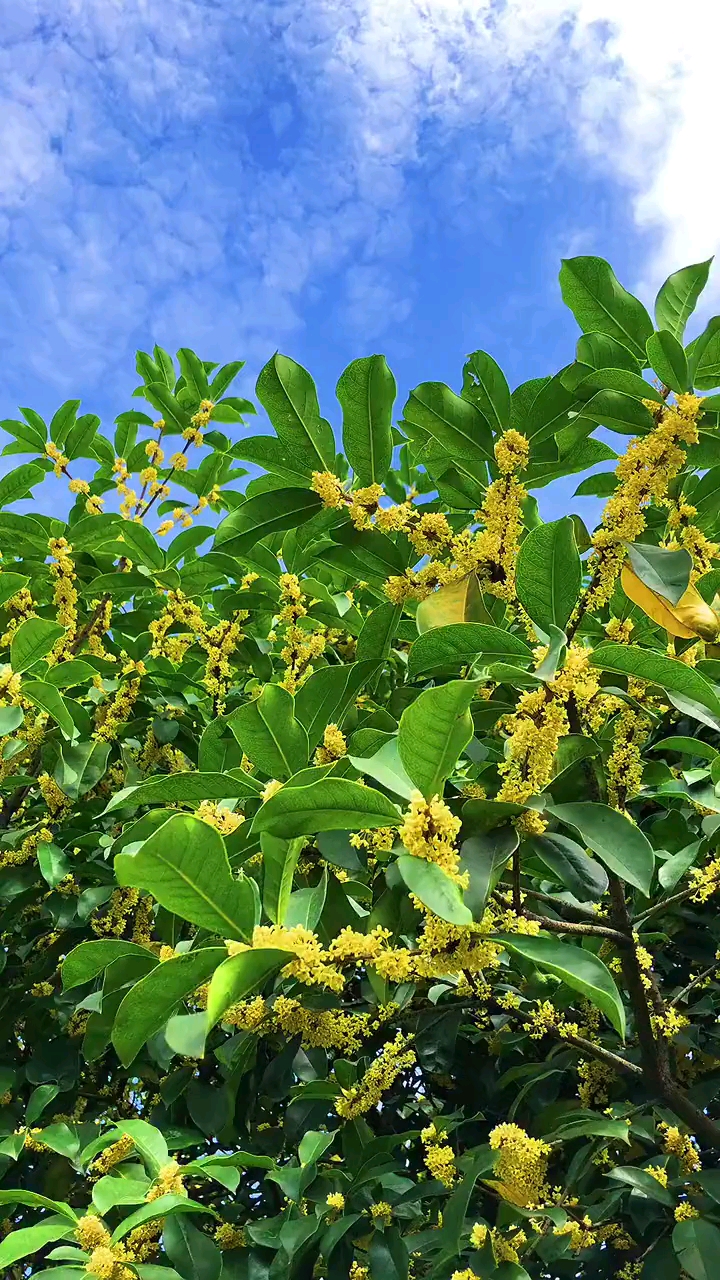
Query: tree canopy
x,y
358,829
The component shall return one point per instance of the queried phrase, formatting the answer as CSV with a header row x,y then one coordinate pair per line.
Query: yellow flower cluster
x,y
26,850
692,539
57,456
380,1076
20,607
65,597
381,1213
429,830
595,1078
10,686
521,1168
431,533
55,799
644,474
336,1201
117,712
535,729
333,746
112,922
329,489
580,1234
705,881
169,1181
682,1146
319,1028
685,1211
657,1172
229,1236
624,768
312,964
438,1156
217,816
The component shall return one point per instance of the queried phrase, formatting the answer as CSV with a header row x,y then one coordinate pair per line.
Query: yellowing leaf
x,y
690,617
457,602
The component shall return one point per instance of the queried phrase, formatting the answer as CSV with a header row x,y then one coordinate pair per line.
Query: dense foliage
x,y
357,828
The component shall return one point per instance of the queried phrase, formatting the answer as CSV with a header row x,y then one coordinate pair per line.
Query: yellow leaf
x,y
457,602
690,617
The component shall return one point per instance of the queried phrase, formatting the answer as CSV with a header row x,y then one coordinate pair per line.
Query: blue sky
x,y
336,177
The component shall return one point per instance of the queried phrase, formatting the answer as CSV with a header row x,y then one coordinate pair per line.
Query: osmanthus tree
x,y
358,830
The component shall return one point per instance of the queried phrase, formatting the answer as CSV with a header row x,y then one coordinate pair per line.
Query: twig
x,y
567,926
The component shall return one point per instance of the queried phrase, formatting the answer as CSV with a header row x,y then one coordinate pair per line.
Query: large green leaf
x,y
89,959
697,1245
269,734
685,687
328,694
484,383
378,631
80,767
264,514
366,390
279,862
184,865
434,888
240,975
288,395
32,640
484,857
37,1201
195,1255
599,303
457,425
24,1241
331,804
549,573
677,297
148,1005
580,969
613,837
460,643
385,766
704,357
48,698
585,877
644,1183
619,412
433,731
18,482
186,788
669,361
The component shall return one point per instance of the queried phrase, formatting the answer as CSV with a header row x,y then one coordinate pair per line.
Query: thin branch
x,y
696,982
666,902
585,930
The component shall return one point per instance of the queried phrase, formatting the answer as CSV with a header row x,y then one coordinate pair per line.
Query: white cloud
x,y
135,200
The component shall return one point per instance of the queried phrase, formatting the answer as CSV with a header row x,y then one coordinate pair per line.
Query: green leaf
x,y
569,863
485,858
332,804
671,872
11,718
682,684
677,297
148,1005
460,644
39,1100
141,545
386,768
388,1255
162,399
10,584
109,1192
623,380
72,672
24,1241
279,863
265,514
458,426
619,412
614,838
168,1206
642,1182
89,959
240,975
288,395
665,572
148,1142
600,304
186,788
35,1200
484,383
184,865
328,694
549,574
18,483
366,391
704,357
378,631
33,639
434,888
433,731
269,733
50,699
602,352
697,1245
195,1255
549,411
579,969
80,767
686,746
667,358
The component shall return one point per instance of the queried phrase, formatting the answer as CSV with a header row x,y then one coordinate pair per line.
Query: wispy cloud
x,y
205,169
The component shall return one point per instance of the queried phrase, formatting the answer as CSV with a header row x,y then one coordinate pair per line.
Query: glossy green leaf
x,y
433,731
168,1206
484,383
279,862
619,412
599,303
366,391
148,1005
434,888
484,857
35,1200
667,357
613,837
678,296
184,865
331,804
89,959
385,767
186,788
288,395
462,643
458,426
80,767
25,1241
328,694
568,862
679,681
697,1245
549,574
269,734
704,357
579,969
378,631
49,699
263,515
239,976
33,639
18,483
